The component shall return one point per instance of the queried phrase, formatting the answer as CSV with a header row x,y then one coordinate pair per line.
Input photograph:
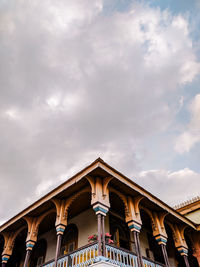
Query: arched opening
x,y
19,250
81,214
118,227
79,204
70,239
149,246
175,259
45,247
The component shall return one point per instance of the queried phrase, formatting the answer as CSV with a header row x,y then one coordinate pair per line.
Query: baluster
x,y
114,255
128,260
86,254
90,255
120,257
79,257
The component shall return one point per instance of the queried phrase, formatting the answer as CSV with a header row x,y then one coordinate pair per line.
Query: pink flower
x,y
107,235
110,241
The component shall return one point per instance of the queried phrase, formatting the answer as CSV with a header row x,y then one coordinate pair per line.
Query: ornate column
x,y
103,235
101,211
101,204
31,239
60,231
160,234
184,253
29,247
135,229
9,241
5,259
162,241
62,206
180,243
134,223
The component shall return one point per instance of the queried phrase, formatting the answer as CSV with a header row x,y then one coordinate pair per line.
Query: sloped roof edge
x,y
78,176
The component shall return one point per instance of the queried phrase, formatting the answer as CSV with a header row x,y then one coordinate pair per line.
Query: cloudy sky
x,y
81,79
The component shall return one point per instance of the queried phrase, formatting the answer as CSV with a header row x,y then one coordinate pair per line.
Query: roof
x,y
188,206
98,163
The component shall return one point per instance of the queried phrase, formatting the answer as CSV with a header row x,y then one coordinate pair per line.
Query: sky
x,y
82,79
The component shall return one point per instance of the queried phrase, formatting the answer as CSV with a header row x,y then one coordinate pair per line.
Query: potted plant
x,y
108,239
92,238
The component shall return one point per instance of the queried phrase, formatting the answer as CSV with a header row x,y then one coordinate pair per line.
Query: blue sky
x,y
83,79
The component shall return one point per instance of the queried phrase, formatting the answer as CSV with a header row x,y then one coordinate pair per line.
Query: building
x,y
134,227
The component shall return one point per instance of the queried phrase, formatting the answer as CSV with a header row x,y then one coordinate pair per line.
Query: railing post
x,y
29,247
186,261
184,252
28,254
103,234
99,234
101,211
162,241
60,231
165,255
138,248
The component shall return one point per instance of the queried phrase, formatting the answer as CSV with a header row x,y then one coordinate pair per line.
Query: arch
x,y
34,223
162,216
9,240
106,181
123,198
70,200
174,256
92,184
19,249
182,229
150,247
175,238
150,214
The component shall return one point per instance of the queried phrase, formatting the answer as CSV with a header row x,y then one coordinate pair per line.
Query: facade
x,y
126,226
191,210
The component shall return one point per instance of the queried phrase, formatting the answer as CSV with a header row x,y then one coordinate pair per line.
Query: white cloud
x,y
86,84
191,136
172,187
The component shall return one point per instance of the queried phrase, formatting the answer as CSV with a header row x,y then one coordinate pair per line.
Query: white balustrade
x,y
84,257
62,262
120,257
148,263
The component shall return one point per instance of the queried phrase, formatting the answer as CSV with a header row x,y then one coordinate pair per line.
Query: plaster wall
x,y
51,239
194,216
144,242
87,225
172,262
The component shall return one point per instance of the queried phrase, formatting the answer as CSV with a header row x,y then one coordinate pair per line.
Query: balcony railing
x,y
87,255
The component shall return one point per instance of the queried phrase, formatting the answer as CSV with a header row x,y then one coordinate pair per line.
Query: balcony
x,y
88,255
